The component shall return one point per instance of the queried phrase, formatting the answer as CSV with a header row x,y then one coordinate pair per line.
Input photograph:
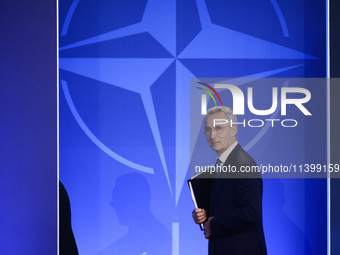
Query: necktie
x,y
217,164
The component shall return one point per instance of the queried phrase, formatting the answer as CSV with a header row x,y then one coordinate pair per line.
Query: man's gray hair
x,y
227,111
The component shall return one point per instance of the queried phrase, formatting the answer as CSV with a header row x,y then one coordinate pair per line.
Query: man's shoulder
x,y
244,165
240,157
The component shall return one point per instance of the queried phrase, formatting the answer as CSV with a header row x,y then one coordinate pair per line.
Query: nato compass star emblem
x,y
196,54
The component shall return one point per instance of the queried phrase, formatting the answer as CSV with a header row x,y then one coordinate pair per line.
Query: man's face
x,y
222,136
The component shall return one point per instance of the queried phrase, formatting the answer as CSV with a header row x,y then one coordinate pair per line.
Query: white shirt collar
x,y
226,154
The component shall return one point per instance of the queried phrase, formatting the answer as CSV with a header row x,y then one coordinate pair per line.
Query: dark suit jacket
x,y
67,243
236,204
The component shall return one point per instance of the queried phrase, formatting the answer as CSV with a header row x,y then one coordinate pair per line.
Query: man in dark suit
x,y
67,243
234,224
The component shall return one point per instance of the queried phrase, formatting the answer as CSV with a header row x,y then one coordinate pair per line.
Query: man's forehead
x,y
216,124
216,121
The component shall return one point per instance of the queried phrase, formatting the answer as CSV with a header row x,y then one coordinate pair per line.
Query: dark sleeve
x,y
67,243
248,211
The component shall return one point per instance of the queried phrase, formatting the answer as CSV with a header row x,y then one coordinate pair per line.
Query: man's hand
x,y
199,215
207,230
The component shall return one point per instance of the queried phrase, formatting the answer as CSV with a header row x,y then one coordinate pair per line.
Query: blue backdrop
x,y
125,69
28,129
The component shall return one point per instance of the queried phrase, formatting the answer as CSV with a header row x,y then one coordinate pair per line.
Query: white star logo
x,y
159,21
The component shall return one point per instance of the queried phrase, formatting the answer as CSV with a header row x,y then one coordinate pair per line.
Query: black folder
x,y
200,186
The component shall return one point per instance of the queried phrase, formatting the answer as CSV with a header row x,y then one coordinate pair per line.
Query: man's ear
x,y
234,130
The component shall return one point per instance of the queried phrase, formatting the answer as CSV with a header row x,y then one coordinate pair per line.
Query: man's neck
x,y
224,155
